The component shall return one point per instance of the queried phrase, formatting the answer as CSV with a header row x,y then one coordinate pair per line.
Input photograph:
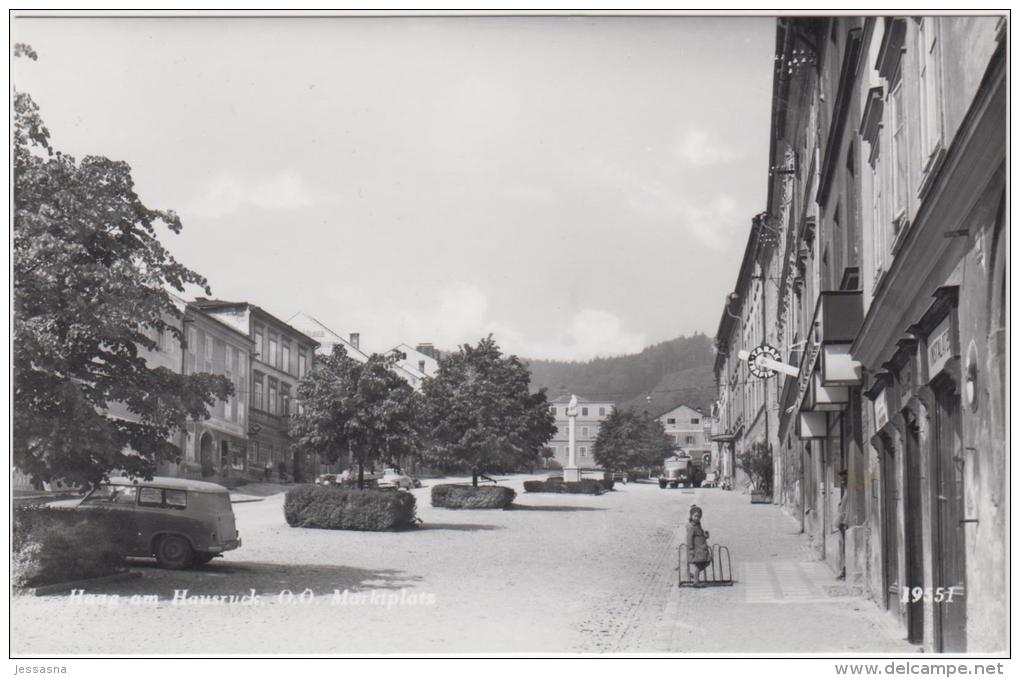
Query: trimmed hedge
x,y
468,497
558,486
52,545
341,508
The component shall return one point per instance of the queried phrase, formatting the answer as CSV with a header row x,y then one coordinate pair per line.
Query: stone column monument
x,y
571,473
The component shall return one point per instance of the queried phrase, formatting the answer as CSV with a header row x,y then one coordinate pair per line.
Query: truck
x,y
676,472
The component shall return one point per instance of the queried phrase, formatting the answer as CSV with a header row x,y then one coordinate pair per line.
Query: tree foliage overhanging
x,y
90,289
628,440
479,414
359,409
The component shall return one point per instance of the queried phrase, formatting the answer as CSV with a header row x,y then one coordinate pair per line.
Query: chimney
x,y
355,340
426,348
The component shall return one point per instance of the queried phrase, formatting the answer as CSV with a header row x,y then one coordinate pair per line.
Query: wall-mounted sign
x,y
812,425
882,409
756,357
838,366
940,347
829,398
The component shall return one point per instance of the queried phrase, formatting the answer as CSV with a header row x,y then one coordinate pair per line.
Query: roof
x,y
219,323
220,304
338,339
695,410
565,399
171,484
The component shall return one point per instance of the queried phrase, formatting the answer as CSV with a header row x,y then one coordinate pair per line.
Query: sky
x,y
576,186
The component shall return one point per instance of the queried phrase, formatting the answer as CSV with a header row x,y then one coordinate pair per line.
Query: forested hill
x,y
674,372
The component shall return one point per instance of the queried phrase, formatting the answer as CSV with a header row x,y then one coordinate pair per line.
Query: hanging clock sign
x,y
758,356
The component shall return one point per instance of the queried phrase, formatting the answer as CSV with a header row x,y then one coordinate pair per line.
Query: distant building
x,y
283,355
416,364
326,337
590,415
687,427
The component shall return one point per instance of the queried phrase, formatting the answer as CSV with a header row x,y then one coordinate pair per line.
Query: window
x,y
155,497
695,420
553,410
228,363
150,496
900,164
286,356
207,353
671,421
274,343
584,411
177,499
112,494
228,408
256,392
253,452
930,83
285,399
240,411
259,330
584,431
602,411
242,366
273,391
192,341
584,451
302,364
690,440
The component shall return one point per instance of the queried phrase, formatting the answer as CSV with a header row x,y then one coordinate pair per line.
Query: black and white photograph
x,y
508,334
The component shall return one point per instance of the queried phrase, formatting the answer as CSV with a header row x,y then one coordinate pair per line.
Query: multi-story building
x,y
883,247
687,427
741,418
282,356
219,445
590,415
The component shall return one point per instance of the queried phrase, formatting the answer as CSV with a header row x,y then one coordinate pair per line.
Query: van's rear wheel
x,y
174,553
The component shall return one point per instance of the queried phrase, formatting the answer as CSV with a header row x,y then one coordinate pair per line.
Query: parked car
x,y
180,522
393,478
327,479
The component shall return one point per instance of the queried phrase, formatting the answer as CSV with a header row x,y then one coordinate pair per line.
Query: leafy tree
x,y
90,288
756,462
359,409
480,416
628,440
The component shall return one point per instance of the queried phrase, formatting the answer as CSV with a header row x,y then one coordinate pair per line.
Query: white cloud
x,y
461,315
697,148
712,222
226,194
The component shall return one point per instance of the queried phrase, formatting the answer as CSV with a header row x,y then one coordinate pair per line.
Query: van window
x,y
112,494
155,497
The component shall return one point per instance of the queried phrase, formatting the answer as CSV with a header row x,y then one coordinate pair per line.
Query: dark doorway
x,y
224,457
950,566
890,525
205,451
913,528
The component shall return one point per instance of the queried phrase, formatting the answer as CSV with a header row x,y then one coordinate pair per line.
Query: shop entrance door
x,y
950,566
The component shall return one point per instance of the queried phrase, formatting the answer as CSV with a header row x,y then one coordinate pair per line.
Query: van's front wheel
x,y
174,553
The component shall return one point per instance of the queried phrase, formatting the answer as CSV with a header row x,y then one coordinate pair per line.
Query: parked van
x,y
180,522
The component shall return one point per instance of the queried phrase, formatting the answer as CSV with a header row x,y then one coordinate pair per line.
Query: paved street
x,y
558,573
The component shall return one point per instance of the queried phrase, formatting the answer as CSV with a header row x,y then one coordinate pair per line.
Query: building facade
x,y
590,415
217,446
282,356
691,432
883,255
